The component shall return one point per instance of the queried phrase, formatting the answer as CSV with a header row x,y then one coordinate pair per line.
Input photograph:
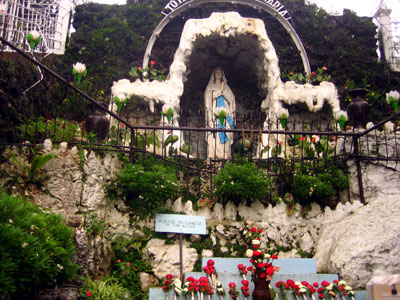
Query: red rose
x,y
289,281
270,270
320,290
152,62
257,253
164,287
325,283
253,229
260,231
274,256
232,285
249,268
341,288
169,276
335,281
321,296
315,284
262,275
245,282
210,262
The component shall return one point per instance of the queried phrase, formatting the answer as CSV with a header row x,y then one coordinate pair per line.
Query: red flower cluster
x,y
193,285
245,288
209,268
232,290
261,269
204,287
242,270
167,283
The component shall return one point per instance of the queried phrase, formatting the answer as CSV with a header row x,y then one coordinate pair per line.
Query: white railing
x,y
49,17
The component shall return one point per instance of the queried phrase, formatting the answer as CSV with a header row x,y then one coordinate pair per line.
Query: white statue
x,y
220,108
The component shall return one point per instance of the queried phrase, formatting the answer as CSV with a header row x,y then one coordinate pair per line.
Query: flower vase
x,y
261,290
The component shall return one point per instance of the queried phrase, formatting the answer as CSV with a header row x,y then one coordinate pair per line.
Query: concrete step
x,y
297,269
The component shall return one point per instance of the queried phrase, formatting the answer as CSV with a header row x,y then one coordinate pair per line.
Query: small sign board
x,y
180,224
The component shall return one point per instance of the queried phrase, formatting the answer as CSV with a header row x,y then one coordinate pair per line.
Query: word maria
x,y
274,4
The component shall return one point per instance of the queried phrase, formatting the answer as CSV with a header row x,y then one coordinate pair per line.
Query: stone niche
x,y
241,47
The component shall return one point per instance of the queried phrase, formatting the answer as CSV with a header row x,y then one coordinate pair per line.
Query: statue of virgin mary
x,y
220,108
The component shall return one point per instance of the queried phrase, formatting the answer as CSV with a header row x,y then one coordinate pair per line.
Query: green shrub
x,y
107,288
128,264
144,186
241,182
36,248
320,188
55,129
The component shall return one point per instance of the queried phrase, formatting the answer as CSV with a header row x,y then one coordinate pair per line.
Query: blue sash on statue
x,y
222,135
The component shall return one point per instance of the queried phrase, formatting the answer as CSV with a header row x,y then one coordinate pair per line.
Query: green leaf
x,y
171,139
38,162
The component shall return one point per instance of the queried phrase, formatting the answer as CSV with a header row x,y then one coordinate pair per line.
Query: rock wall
x,y
355,240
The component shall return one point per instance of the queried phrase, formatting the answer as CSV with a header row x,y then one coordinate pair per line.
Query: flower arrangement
x,y
232,290
190,287
205,288
212,274
262,267
325,290
393,98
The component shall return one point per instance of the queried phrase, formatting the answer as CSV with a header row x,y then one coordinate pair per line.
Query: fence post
x,y
131,146
358,165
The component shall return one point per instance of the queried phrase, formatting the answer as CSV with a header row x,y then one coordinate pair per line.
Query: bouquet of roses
x,y
262,267
212,274
205,288
190,287
245,288
232,290
167,285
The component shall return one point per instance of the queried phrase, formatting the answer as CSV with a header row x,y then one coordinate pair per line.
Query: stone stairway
x,y
297,269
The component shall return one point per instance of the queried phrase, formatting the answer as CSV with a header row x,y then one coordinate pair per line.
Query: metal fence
x,y
301,146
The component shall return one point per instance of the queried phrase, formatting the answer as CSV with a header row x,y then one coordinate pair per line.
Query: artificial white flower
x,y
218,111
249,253
394,94
329,287
166,109
342,282
79,67
35,34
340,113
256,242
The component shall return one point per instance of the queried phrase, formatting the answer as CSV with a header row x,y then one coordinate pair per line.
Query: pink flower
x,y
128,264
88,293
118,261
152,62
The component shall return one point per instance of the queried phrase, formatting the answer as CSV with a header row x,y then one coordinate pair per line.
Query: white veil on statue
x,y
220,109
